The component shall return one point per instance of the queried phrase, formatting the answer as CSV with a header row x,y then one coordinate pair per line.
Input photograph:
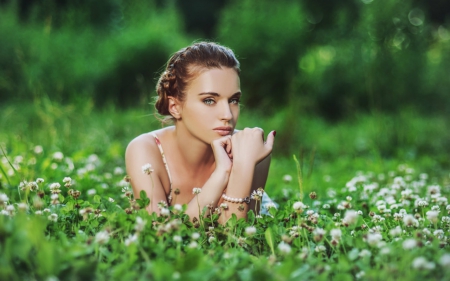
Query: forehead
x,y
218,80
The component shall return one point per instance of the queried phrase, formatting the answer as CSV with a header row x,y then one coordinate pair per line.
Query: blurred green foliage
x,y
325,58
365,57
66,56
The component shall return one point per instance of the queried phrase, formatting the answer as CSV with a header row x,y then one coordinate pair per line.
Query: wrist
x,y
243,167
222,174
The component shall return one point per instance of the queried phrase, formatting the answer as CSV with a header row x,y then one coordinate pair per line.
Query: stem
x,y
151,200
299,177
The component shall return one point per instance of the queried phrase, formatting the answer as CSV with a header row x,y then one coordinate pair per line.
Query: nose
x,y
226,113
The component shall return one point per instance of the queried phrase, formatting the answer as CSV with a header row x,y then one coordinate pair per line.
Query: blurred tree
x,y
268,40
201,16
115,62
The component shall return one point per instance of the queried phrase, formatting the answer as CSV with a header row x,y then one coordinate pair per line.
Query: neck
x,y
194,153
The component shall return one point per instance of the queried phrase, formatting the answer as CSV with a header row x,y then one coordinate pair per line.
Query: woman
x,y
200,91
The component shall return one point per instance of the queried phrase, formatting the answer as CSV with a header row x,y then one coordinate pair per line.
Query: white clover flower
x,y
385,251
446,220
445,261
162,204
38,212
348,198
224,206
3,198
410,220
130,240
91,192
140,224
422,263
397,231
336,234
22,206
211,239
350,217
373,239
54,186
53,217
270,205
111,200
39,180
409,244
177,238
326,206
299,206
58,156
67,179
284,248
102,237
434,189
165,212
178,207
319,233
118,171
250,230
38,149
4,213
320,248
193,245
426,231
196,190
365,253
360,275
433,216
435,208
147,169
287,178
195,235
439,233
46,210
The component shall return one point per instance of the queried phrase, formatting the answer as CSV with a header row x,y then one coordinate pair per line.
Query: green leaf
x,y
97,199
143,194
270,240
143,201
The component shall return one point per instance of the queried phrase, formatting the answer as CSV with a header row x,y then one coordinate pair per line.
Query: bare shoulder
x,y
146,142
141,142
144,149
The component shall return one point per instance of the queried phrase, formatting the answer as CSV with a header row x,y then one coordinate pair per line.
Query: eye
x,y
234,100
208,101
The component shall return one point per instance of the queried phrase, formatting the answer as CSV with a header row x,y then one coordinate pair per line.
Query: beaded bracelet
x,y
236,200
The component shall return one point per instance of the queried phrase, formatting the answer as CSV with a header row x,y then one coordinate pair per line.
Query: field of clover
x,y
74,217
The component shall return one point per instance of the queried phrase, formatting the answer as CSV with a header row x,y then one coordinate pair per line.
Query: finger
x,y
270,139
228,145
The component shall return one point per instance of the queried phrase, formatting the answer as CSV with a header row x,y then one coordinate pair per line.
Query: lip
x,y
223,131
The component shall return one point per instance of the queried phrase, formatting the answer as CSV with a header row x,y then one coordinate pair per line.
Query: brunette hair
x,y
185,64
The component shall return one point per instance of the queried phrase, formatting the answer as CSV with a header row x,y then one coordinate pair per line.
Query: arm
x,y
143,150
259,180
139,152
251,160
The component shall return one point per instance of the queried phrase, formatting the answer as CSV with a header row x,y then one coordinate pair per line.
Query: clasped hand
x,y
245,147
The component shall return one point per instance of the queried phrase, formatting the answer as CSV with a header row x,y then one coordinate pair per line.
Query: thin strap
x,y
158,143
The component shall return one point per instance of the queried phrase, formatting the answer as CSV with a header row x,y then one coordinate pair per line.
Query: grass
x,y
102,233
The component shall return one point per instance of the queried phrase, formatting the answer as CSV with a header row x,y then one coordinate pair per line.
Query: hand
x,y
222,153
249,145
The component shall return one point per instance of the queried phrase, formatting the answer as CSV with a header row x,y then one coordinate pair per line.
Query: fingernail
x,y
274,133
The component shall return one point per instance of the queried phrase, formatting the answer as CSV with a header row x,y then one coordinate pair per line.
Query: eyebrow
x,y
218,95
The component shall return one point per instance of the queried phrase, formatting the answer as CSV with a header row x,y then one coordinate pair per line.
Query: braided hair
x,y
184,65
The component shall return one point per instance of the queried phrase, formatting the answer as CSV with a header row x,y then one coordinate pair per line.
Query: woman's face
x,y
211,106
